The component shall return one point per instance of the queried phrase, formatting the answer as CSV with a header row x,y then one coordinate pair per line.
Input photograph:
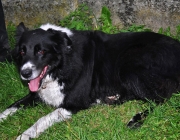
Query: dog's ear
x,y
61,38
20,29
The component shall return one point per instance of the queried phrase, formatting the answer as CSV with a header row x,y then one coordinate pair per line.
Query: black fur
x,y
94,65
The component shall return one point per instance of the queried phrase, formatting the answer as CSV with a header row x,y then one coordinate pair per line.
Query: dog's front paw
x,y
2,117
23,137
7,112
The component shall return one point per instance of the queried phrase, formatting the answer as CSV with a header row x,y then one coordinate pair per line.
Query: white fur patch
x,y
44,123
35,72
50,92
57,28
7,112
98,101
28,65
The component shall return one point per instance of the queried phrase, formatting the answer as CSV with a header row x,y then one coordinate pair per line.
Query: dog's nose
x,y
26,73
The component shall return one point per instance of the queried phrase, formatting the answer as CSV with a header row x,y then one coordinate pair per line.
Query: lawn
x,y
102,122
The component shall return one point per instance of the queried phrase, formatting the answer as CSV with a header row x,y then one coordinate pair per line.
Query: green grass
x,y
100,122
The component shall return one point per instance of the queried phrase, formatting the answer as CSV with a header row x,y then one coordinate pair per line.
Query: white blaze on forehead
x,y
28,65
57,28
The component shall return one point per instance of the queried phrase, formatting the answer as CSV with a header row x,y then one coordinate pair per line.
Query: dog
x,y
73,70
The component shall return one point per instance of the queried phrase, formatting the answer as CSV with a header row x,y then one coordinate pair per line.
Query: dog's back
x,y
136,66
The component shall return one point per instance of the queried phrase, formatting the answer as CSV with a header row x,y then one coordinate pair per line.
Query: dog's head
x,y
39,51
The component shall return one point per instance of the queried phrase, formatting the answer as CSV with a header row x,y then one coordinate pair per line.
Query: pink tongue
x,y
34,84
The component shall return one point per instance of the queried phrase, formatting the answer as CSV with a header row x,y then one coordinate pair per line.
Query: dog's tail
x,y
137,120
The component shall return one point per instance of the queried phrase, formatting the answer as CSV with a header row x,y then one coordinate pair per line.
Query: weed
x,y
105,22
11,33
177,35
136,28
166,31
80,19
84,19
169,33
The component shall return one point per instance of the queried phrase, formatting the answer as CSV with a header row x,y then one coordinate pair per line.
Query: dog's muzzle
x,y
26,73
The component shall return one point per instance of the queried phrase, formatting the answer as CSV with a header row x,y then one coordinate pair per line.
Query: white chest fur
x,y
51,92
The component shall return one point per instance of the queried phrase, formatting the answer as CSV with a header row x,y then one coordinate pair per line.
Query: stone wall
x,y
35,12
152,13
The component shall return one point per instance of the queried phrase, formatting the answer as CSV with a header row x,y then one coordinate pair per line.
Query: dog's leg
x,y
7,112
30,99
44,123
112,99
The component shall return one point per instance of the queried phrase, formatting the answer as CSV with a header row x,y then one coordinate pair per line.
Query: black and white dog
x,y
71,70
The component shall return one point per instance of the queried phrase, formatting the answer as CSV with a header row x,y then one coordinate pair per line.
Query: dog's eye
x,y
41,52
22,52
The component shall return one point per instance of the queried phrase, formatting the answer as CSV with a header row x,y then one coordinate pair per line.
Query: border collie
x,y
72,70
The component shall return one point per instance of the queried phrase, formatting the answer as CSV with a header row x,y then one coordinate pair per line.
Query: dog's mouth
x,y
34,84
